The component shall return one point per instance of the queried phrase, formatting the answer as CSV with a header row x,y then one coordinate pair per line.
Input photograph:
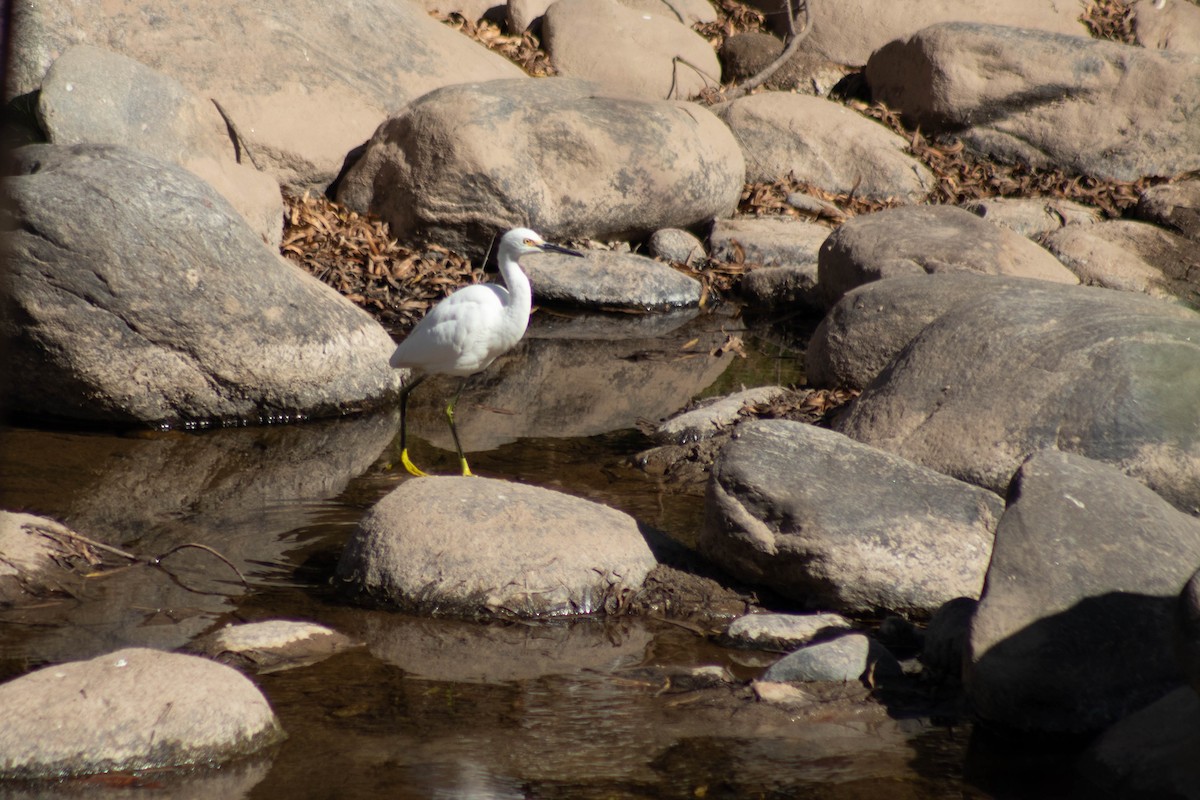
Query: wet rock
x,y
129,710
1090,371
476,546
1075,627
1149,754
784,631
1174,206
849,657
1045,99
1032,216
871,324
913,240
98,96
712,417
608,280
945,646
1131,256
270,645
849,31
33,554
744,55
823,143
1166,25
628,51
464,162
305,82
183,312
673,244
829,523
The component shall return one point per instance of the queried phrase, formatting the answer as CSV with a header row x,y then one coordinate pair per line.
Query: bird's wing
x,y
455,337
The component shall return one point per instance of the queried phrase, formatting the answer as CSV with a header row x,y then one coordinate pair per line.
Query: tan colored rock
x,y
823,143
1174,206
1032,216
1167,24
1047,100
627,51
1131,256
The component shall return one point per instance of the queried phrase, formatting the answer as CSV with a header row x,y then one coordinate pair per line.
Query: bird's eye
x,y
530,243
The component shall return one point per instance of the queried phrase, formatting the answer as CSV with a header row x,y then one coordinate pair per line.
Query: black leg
x,y
405,391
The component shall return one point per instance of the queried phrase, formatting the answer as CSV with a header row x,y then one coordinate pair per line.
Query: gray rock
x,y
1131,256
1166,24
673,244
1076,624
825,144
714,416
472,546
1045,99
1150,754
304,81
850,657
603,279
913,240
96,96
864,331
1109,375
1174,206
1032,216
464,162
832,524
944,650
130,710
769,241
784,631
270,645
137,294
627,51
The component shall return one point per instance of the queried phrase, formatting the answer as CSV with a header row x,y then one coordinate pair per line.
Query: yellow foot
x,y
408,465
466,471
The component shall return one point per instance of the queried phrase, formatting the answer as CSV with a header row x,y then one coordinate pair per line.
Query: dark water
x,y
440,708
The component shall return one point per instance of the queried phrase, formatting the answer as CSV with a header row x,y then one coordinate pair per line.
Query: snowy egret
x,y
465,333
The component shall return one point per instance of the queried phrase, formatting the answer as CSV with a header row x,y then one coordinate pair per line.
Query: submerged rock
x,y
270,645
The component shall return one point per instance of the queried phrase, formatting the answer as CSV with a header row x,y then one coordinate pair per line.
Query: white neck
x,y
519,292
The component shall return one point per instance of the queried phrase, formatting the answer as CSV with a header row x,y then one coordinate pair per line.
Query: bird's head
x,y
520,241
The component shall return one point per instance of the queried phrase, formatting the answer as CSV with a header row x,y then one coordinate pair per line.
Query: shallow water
x,y
441,708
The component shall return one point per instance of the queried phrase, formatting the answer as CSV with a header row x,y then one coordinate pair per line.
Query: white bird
x,y
468,330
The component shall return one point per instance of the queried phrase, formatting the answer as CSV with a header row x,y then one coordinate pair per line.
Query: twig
x,y
675,62
157,561
239,142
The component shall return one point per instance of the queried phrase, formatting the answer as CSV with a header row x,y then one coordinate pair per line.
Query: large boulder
x,y
478,546
135,293
913,240
1106,374
836,525
1046,99
556,155
303,81
1077,622
640,52
98,96
130,710
825,144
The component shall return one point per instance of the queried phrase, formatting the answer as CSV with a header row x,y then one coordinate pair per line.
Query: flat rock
x,y
629,51
130,710
477,546
183,313
1032,216
713,416
462,163
1047,100
98,96
785,250
1131,256
784,631
1174,206
849,657
1076,626
864,331
270,645
304,81
825,144
603,279
832,524
915,240
1105,374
